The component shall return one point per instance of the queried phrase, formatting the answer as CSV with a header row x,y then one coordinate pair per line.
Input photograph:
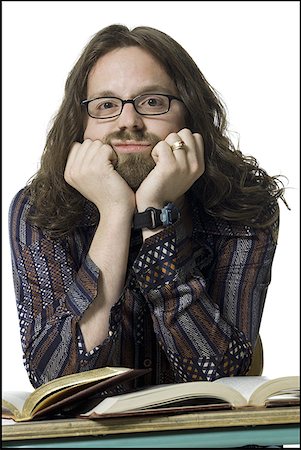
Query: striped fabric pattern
x,y
191,307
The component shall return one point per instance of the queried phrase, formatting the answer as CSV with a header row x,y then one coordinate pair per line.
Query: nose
x,y
130,118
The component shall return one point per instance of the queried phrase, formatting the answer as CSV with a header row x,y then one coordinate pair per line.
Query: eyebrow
x,y
152,89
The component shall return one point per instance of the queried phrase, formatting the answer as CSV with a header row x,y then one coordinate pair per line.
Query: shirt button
x,y
147,362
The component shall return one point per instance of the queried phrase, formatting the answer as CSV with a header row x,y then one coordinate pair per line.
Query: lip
x,y
130,146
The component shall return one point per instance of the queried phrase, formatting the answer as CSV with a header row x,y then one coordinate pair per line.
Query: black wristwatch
x,y
153,218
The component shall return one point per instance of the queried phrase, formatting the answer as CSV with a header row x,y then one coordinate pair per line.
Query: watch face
x,y
164,217
169,214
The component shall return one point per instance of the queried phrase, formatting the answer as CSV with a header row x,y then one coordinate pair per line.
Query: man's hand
x,y
90,170
175,171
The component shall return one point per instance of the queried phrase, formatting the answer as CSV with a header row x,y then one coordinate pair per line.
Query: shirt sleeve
x,y
206,321
53,289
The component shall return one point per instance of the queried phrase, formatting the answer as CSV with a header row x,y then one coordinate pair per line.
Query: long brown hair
x,y
233,186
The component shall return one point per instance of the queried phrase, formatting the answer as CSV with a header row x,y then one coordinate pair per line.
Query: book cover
x,y
65,393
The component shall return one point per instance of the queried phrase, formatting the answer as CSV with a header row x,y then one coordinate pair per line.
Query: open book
x,y
237,392
63,392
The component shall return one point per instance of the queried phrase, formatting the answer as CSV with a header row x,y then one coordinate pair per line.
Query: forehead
x,y
127,72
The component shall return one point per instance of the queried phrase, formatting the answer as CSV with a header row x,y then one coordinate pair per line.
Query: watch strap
x,y
150,219
153,218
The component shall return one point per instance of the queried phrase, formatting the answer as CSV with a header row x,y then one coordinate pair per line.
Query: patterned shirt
x,y
190,309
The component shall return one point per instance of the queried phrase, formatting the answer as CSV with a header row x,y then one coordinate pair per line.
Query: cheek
x,y
181,123
163,125
180,118
175,125
94,130
177,119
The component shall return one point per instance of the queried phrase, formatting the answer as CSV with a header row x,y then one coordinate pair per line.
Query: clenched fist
x,y
175,171
90,170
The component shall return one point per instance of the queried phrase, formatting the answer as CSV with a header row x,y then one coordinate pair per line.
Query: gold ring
x,y
179,145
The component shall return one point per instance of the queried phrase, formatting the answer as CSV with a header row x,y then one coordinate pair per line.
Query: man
x,y
145,239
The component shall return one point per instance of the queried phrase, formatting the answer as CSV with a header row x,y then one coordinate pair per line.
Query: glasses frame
x,y
132,101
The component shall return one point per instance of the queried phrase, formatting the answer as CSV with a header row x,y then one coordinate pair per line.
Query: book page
x,y
163,395
8,422
246,385
16,398
287,387
67,382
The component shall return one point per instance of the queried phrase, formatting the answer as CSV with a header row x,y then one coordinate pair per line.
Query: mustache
x,y
125,135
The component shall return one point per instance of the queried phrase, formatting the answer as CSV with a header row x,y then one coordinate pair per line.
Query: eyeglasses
x,y
146,105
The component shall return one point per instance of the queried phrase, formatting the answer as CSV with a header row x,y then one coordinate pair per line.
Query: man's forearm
x,y
109,250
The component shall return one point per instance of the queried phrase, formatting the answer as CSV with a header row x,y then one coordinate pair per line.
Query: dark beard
x,y
134,168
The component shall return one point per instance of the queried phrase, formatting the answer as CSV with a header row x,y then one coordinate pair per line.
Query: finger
x,y
73,153
200,151
178,154
162,152
186,136
92,151
109,153
77,153
81,156
195,150
71,164
96,154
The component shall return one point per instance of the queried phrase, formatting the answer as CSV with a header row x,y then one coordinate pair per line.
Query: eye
x,y
153,104
151,101
105,105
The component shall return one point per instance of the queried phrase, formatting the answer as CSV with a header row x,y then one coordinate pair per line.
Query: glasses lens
x,y
152,104
105,107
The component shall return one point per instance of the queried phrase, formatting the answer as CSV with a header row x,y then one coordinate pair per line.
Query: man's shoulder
x,y
20,202
21,230
210,224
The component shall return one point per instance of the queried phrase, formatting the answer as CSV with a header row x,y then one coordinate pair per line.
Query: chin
x,y
134,168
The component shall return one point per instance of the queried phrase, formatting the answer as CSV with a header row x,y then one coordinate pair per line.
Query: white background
x,y
249,51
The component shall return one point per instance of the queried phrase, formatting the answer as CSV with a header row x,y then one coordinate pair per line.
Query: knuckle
x,y
96,143
67,177
185,133
70,175
195,168
87,143
106,148
172,137
161,145
199,138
